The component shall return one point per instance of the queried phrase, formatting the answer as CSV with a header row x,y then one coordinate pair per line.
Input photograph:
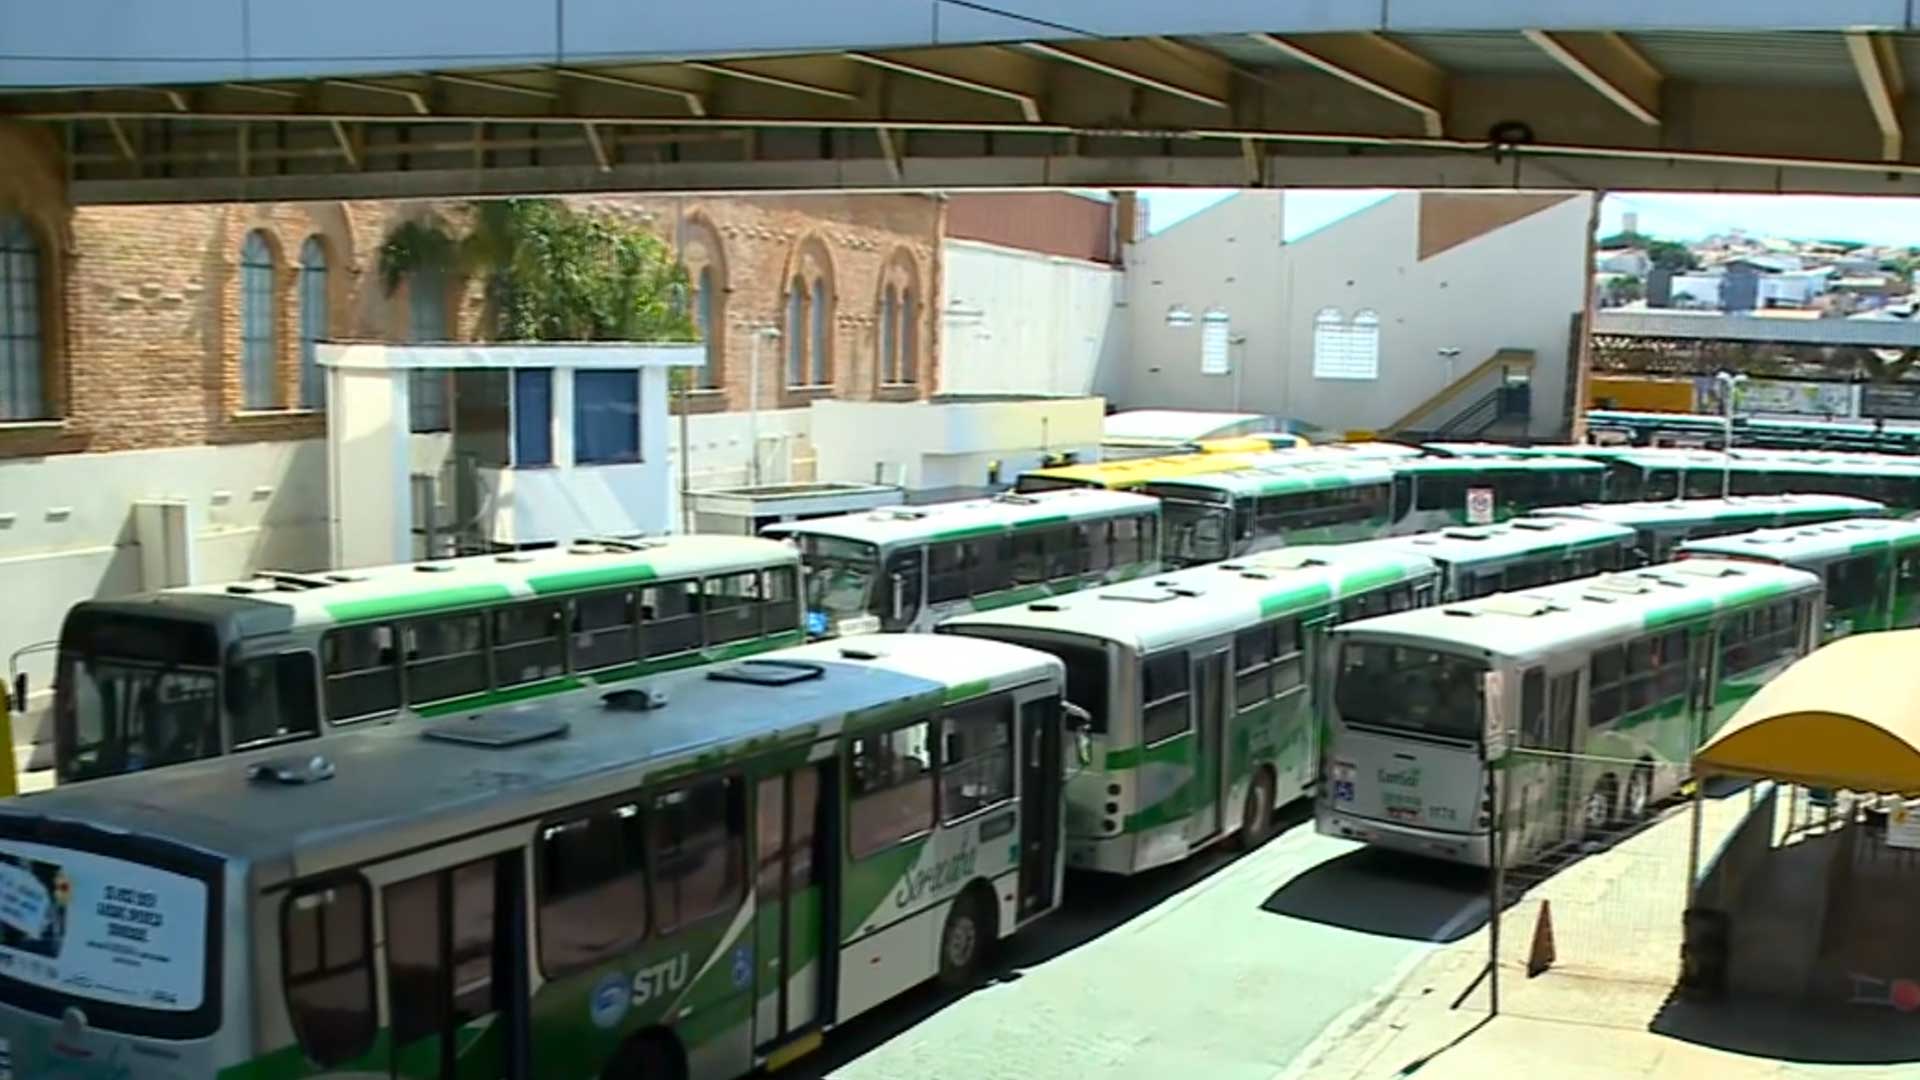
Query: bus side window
x,y
529,642
1604,686
989,565
1066,548
1150,538
976,758
1028,560
603,630
730,606
274,697
890,775
446,657
1533,708
326,969
362,677
779,598
947,572
1097,536
670,618
1253,666
593,888
696,850
902,581
1164,696
1402,497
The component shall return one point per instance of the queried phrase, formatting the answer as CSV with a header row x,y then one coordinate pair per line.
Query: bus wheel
x,y
1597,814
645,1057
1257,816
1639,793
964,939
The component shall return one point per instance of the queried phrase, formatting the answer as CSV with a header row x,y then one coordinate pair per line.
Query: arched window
x,y
909,337
822,320
889,316
427,321
257,323
796,331
1346,350
22,356
313,321
703,309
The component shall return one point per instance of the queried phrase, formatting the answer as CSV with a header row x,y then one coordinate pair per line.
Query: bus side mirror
x,y
1079,724
899,581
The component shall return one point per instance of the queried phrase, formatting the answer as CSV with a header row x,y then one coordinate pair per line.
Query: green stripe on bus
x,y
574,580
1132,757
1035,523
1370,579
1687,611
1294,599
1867,547
966,690
381,607
968,533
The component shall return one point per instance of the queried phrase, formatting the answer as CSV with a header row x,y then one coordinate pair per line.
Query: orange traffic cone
x,y
1540,957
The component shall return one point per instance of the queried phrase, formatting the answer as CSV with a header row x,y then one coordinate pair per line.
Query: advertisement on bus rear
x,y
102,928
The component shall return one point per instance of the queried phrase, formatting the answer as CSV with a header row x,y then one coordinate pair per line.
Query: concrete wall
x,y
1018,322
935,446
68,529
1441,272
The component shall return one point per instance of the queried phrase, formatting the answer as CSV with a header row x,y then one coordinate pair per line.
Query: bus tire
x,y
966,937
1639,793
1598,811
1256,818
650,1055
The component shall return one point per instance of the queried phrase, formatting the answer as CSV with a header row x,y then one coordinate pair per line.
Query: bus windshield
x,y
1410,689
839,574
1195,533
124,715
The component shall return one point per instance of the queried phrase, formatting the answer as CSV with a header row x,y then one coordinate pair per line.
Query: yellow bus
x,y
1215,456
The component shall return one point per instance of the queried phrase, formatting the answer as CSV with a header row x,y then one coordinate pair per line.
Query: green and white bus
x,y
1435,492
1663,526
683,880
1217,516
1871,567
1474,560
908,567
1610,681
157,679
1198,685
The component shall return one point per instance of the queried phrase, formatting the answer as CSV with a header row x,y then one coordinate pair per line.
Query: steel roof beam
x,y
801,75
694,100
1377,64
1611,65
991,70
1878,67
1154,63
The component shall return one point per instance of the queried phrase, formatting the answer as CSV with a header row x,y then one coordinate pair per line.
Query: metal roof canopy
x,y
1841,718
196,101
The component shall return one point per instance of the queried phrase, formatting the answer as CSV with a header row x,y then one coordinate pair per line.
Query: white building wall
x,y
1703,288
932,445
1020,322
69,530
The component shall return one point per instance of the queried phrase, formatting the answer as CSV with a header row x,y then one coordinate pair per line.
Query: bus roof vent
x,y
900,514
1705,569
1015,498
1293,560
1256,575
1517,604
1467,534
635,699
1623,584
513,557
344,578
1534,524
1184,590
291,771
1141,596
498,731
248,588
768,672
1459,612
293,582
854,652
1043,605
433,567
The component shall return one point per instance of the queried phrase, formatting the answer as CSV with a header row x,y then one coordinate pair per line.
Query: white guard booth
x,y
433,449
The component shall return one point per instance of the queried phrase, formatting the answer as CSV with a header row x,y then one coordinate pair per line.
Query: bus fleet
x,y
632,825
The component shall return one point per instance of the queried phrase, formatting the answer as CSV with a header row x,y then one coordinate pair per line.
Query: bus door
x,y
1700,685
795,934
457,982
1544,811
1210,779
1042,783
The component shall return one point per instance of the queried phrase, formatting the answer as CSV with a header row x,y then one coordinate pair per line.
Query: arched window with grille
x,y
909,367
257,336
703,311
313,322
822,323
796,332
23,393
889,326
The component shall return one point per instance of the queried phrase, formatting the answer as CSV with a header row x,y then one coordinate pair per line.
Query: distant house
x,y
1630,261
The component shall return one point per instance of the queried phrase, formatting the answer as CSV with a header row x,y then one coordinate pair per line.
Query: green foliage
x,y
551,273
1625,240
1669,255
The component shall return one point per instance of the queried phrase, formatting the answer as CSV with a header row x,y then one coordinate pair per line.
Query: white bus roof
x,y
1736,507
395,788
376,592
968,518
1151,614
1809,542
1287,477
1176,425
1511,539
1541,620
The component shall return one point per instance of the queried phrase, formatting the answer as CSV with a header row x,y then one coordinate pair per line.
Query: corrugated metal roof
x,y
1793,58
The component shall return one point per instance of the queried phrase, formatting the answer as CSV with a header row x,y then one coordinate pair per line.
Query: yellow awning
x,y
1848,716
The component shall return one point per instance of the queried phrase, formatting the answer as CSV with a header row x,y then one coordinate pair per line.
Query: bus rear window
x,y
1415,690
125,941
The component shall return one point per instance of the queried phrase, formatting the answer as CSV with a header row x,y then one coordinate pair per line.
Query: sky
x,y
1676,217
